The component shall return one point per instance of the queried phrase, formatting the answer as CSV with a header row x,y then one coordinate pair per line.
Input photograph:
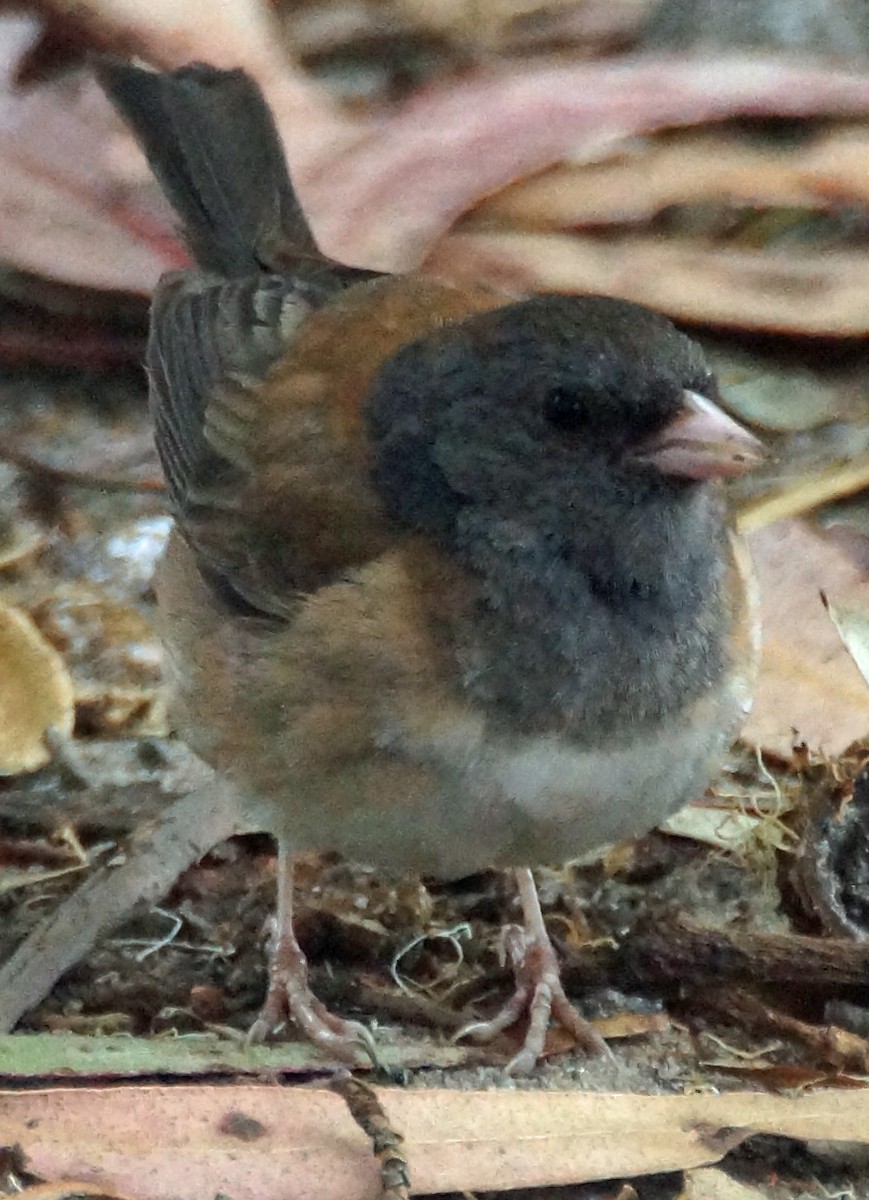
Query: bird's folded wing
x,y
257,388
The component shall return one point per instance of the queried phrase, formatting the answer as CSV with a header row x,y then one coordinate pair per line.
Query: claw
x,y
539,991
290,996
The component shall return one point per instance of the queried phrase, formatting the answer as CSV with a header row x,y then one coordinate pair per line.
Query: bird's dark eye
x,y
564,409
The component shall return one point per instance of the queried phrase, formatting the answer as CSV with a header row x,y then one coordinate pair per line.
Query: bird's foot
x,y
539,994
290,995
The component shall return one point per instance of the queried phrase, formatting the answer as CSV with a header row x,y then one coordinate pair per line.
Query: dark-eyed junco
x,y
452,584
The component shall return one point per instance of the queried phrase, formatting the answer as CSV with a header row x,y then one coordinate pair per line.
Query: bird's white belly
x,y
533,800
572,801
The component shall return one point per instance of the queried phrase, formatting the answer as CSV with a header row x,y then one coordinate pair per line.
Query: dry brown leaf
x,y
85,250
77,203
824,293
853,628
68,1189
732,831
182,1141
241,34
114,657
781,1077
504,23
36,694
56,202
627,1024
809,688
804,493
20,540
66,439
234,34
381,203
381,190
708,1183
687,168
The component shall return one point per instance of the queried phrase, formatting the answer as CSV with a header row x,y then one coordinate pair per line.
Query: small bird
x,y
452,584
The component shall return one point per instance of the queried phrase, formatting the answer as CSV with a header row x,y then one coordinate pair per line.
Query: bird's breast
x,y
349,732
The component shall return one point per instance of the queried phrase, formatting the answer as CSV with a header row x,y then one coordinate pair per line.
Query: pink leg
x,y
289,993
539,991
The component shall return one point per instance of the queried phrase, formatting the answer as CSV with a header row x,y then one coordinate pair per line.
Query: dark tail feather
x,y
213,146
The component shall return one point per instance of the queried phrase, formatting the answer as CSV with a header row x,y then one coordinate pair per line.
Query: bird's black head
x,y
561,450
545,396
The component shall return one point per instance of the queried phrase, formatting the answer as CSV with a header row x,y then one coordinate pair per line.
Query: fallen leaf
x,y
183,1141
58,216
224,34
381,202
688,167
708,1183
20,540
779,1077
631,1024
201,1055
821,293
802,493
36,694
77,202
69,1189
809,689
731,831
786,399
853,629
381,190
114,657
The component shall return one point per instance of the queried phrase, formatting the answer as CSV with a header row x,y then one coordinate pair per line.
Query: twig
x,y
678,950
155,858
368,1113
